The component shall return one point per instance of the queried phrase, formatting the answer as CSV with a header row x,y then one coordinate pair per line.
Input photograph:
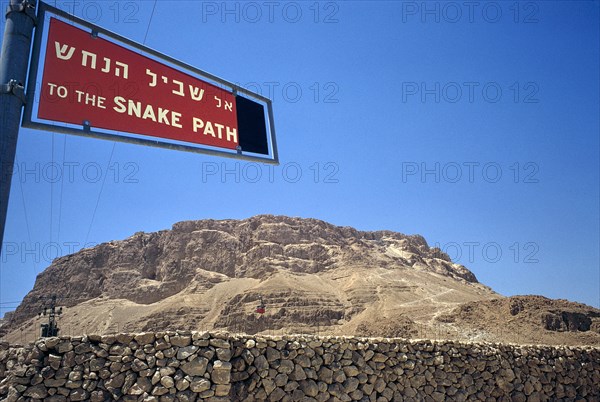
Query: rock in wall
x,y
192,366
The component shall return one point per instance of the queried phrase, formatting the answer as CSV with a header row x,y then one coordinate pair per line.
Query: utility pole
x,y
14,60
50,329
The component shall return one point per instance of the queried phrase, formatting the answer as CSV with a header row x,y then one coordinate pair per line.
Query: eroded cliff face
x,y
209,274
196,255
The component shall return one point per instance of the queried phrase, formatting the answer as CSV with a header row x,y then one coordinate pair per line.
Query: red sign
x,y
88,80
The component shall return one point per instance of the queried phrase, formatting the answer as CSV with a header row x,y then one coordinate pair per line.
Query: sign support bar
x,y
14,59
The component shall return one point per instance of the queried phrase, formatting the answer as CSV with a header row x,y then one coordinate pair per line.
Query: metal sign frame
x,y
87,131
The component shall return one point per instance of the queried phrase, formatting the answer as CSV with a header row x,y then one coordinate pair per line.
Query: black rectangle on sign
x,y
251,126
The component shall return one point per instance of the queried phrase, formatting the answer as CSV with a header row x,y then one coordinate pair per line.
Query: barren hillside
x,y
313,277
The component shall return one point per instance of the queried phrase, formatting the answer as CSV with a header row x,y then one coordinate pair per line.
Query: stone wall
x,y
220,367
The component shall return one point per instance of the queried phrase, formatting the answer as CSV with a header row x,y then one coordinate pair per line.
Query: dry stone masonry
x,y
193,366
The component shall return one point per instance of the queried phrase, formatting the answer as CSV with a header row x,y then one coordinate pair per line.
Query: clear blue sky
x,y
477,128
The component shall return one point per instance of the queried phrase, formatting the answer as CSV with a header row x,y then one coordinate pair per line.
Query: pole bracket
x,y
26,6
14,88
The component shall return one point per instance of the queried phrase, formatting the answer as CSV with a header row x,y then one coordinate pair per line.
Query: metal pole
x,y
14,60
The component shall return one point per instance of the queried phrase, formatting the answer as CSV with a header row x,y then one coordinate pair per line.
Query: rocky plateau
x,y
313,277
